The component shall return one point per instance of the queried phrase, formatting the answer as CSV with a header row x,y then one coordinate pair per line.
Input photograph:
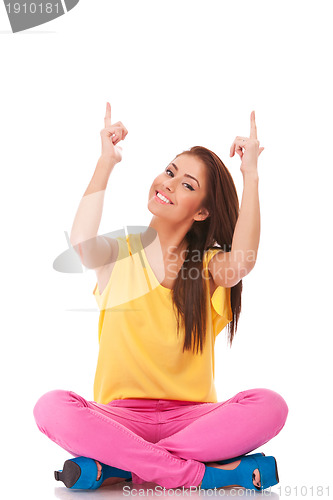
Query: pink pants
x,y
159,440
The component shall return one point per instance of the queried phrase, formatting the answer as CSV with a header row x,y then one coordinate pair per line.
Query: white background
x,y
177,74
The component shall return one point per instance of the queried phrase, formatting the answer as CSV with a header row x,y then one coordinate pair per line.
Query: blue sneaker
x,y
243,474
81,473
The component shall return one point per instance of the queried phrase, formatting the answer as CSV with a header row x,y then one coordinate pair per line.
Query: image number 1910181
x,y
23,14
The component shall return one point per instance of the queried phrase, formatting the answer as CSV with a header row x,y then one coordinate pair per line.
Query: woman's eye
x,y
185,183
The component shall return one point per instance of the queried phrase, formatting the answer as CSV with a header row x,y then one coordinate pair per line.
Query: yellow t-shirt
x,y
140,354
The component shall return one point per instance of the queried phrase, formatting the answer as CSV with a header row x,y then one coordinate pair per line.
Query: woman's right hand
x,y
110,136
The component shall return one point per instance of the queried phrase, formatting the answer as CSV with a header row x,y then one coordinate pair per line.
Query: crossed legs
x,y
233,427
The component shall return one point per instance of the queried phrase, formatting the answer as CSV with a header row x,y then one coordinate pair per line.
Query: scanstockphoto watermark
x,y
92,253
230,264
287,490
161,491
26,14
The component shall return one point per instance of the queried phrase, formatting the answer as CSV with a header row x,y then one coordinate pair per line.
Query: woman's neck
x,y
170,240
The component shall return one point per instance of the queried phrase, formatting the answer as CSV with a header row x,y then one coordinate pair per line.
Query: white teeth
x,y
159,195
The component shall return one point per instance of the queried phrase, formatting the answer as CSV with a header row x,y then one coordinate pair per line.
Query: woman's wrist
x,y
106,162
251,175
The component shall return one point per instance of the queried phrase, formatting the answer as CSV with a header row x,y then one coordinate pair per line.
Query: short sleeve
x,y
221,298
130,278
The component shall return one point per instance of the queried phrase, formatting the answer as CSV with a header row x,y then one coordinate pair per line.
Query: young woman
x,y
164,295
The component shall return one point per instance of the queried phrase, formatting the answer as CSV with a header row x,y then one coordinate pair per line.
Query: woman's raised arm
x,y
228,268
96,251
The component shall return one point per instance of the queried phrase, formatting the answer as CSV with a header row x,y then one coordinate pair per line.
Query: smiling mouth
x,y
162,201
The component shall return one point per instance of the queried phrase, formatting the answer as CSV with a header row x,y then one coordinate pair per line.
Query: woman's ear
x,y
202,215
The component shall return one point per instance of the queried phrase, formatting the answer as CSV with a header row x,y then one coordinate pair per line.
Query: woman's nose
x,y
168,185
166,189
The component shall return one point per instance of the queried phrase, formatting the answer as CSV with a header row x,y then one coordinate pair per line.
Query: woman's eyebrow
x,y
186,175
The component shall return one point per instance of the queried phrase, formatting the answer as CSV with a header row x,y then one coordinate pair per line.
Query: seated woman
x,y
164,295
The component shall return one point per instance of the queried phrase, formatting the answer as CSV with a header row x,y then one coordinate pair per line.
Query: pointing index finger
x,y
107,118
253,128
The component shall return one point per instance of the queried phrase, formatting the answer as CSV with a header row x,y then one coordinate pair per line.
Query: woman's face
x,y
184,183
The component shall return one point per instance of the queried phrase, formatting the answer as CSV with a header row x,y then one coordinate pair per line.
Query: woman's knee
x,y
45,405
51,405
275,405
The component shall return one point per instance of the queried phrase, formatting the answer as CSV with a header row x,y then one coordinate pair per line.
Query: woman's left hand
x,y
251,148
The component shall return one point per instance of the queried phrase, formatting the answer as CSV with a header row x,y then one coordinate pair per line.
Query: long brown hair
x,y
189,295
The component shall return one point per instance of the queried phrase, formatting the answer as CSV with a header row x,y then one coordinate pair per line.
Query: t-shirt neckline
x,y
168,290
